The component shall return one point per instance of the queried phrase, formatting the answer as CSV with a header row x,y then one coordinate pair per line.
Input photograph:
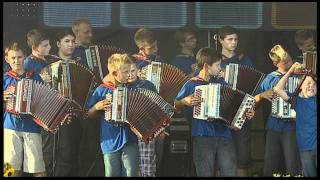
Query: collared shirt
x,y
185,63
112,138
23,123
215,128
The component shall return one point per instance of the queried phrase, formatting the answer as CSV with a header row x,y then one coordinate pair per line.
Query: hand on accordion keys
x,y
250,113
267,95
191,100
104,104
9,93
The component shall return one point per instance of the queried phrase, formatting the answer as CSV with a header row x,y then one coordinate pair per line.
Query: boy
x,y
118,143
306,110
148,49
22,139
187,40
63,146
228,38
39,58
209,138
305,41
281,154
148,153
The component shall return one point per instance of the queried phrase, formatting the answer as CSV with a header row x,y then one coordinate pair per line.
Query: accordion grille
x,y
146,120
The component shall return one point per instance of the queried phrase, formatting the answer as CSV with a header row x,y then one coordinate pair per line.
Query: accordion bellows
x,y
47,106
222,102
97,58
167,78
244,78
73,81
145,111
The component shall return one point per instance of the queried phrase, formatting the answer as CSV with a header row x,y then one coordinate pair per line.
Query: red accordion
x,y
167,78
145,111
48,108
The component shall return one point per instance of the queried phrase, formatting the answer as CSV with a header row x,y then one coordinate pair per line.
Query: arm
x,y
187,101
98,108
280,87
264,95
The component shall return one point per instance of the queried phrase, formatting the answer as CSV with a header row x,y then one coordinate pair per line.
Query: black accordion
x,y
167,79
97,58
145,111
72,80
281,108
222,102
244,78
310,61
47,106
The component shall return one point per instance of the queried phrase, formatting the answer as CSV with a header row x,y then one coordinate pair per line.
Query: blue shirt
x,y
237,59
35,65
112,138
142,84
215,128
142,61
24,122
79,55
306,109
185,63
273,123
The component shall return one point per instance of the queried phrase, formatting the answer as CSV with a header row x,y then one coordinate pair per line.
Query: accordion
x,y
244,78
167,79
310,61
48,108
281,108
72,80
145,111
222,102
97,58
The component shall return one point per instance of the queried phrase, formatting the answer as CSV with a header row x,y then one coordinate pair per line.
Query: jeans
x,y
205,150
309,163
281,154
123,163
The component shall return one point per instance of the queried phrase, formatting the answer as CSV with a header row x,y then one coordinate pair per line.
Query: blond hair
x,y
14,47
116,61
76,23
278,54
144,36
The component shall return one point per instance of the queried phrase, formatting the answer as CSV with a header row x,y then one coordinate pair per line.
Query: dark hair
x,y
226,30
207,55
63,33
35,37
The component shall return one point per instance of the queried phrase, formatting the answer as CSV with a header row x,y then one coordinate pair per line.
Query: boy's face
x,y
44,48
66,45
150,49
215,68
190,41
307,45
133,73
309,87
84,33
230,42
122,75
15,60
286,63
